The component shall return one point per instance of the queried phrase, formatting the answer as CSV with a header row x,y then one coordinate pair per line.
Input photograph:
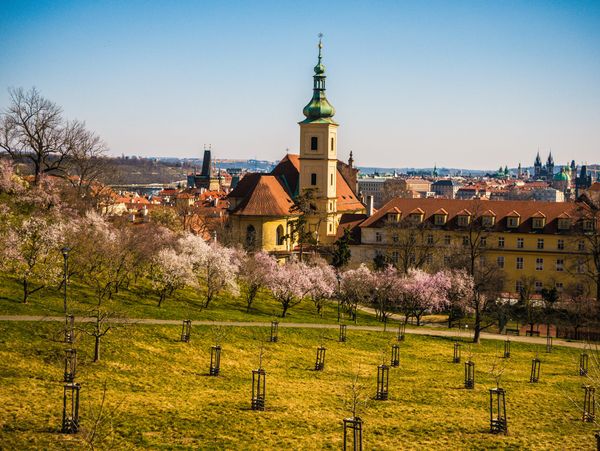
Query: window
x,y
519,262
559,286
280,236
395,238
488,221
581,266
313,179
581,245
483,241
564,224
378,237
513,222
439,219
588,225
332,143
314,143
429,259
501,241
331,179
482,261
463,220
429,239
395,257
250,235
560,245
538,223
540,243
447,260
447,240
465,240
520,243
500,262
539,264
330,228
538,286
519,286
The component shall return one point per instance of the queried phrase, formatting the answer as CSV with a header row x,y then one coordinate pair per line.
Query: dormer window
x,y
564,224
513,220
488,221
439,219
416,218
393,217
539,223
463,220
588,225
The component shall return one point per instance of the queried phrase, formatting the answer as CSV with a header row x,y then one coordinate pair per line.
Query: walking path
x,y
409,330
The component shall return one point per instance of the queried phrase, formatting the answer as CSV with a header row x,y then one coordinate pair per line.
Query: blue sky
x,y
461,84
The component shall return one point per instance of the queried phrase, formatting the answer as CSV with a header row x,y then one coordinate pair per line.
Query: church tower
x,y
318,158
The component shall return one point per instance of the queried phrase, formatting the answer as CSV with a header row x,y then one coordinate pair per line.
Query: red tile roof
x,y
266,198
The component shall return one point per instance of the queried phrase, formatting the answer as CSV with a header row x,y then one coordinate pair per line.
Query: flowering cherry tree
x,y
323,283
31,252
214,266
459,293
289,284
170,272
355,288
385,291
254,273
422,292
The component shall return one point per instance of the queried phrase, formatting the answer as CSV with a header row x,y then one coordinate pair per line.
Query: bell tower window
x,y
314,143
332,141
313,179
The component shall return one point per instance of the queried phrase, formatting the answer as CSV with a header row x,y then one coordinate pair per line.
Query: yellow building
x,y
264,206
539,243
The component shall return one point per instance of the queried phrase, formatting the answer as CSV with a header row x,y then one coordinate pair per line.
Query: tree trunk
x,y
477,326
285,306
25,290
97,348
161,298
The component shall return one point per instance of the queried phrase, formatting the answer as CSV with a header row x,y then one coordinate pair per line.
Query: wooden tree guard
x,y
535,370
383,378
342,338
69,328
215,360
507,348
548,344
320,361
401,331
589,404
583,364
469,375
70,420
274,332
258,389
186,330
70,364
395,363
456,356
353,434
498,422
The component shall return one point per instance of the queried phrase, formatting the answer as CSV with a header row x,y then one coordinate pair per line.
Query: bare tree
x,y
33,128
411,244
586,264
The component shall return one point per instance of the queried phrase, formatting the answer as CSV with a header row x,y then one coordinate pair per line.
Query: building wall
x,y
549,276
266,231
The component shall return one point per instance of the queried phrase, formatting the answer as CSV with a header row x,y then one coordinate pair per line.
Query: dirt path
x,y
391,330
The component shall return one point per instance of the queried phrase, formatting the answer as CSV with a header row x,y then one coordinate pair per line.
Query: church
x,y
264,208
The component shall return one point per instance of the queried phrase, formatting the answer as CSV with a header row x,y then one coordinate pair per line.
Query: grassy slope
x,y
139,302
167,401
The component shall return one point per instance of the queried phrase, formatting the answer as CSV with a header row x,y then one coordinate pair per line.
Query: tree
x,y
214,266
341,252
304,206
171,272
527,308
33,128
458,294
322,283
423,292
587,234
31,252
385,291
412,244
353,289
254,275
289,284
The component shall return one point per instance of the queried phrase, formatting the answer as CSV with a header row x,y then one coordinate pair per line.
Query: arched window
x,y
280,236
250,235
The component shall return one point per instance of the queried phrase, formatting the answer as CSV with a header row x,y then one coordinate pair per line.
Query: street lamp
x,y
65,252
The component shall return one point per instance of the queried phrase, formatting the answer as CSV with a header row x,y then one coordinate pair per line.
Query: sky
x,y
415,83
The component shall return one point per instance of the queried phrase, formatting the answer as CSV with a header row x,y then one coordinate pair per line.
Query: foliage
x,y
289,284
254,274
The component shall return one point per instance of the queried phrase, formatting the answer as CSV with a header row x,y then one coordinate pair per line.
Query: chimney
x,y
369,206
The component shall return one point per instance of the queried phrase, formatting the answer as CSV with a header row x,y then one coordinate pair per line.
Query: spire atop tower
x,y
319,109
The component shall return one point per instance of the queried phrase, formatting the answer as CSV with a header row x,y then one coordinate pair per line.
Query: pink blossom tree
x,y
423,292
355,288
385,291
290,283
214,266
323,284
459,293
31,252
170,272
254,274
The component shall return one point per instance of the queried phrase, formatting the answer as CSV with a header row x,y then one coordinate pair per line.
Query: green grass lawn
x,y
140,302
161,397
